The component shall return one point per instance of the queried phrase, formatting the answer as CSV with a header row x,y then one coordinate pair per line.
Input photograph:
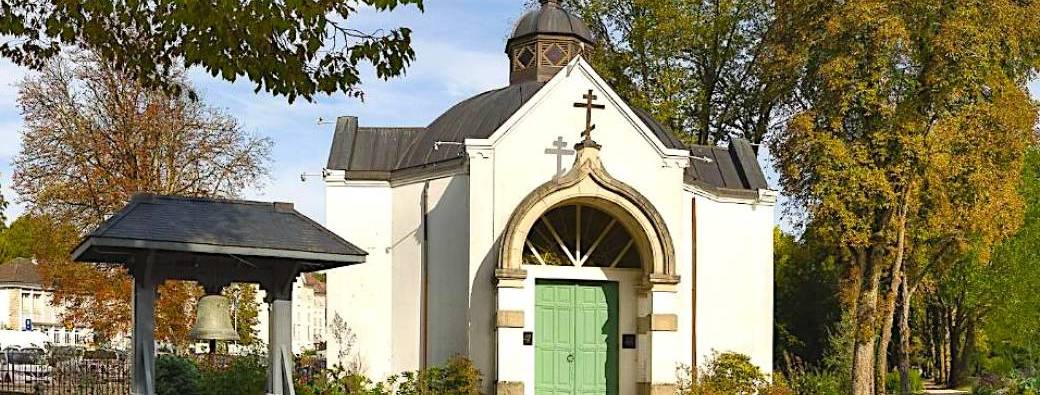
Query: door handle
x,y
570,357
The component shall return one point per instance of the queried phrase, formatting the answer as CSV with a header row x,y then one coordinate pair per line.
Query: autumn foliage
x,y
92,139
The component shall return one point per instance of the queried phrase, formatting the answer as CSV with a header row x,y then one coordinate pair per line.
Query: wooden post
x,y
145,282
280,356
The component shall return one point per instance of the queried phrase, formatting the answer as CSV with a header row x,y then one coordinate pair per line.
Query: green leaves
x,y
708,69
293,48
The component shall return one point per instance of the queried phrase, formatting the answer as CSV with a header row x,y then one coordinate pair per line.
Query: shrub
x,y
892,381
246,375
339,382
730,374
818,383
176,376
457,377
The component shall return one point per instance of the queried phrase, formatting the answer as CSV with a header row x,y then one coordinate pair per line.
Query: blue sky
x,y
459,46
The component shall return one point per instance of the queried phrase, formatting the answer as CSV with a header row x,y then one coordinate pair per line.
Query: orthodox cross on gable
x,y
559,150
588,106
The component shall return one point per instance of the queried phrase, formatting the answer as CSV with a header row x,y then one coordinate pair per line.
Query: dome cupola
x,y
544,40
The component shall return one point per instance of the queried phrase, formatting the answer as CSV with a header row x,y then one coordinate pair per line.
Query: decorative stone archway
x,y
654,301
589,183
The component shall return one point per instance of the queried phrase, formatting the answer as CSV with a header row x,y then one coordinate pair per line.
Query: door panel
x,y
554,339
576,341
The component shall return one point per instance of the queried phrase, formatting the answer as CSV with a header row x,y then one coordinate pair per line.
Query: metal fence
x,y
81,377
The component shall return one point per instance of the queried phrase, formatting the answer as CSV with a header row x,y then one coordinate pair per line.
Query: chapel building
x,y
563,240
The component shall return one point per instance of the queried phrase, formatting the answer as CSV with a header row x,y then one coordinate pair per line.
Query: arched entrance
x,y
586,282
582,235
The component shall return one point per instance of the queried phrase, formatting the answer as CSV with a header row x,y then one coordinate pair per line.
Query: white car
x,y
24,366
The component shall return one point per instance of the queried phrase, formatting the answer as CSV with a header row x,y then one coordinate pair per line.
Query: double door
x,y
576,337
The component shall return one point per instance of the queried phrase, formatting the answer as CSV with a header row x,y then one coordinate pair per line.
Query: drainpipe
x,y
693,305
425,276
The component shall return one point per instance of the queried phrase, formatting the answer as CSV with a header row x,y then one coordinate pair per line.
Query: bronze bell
x,y
213,319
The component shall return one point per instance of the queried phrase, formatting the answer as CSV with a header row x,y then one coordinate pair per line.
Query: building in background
x,y
308,314
25,304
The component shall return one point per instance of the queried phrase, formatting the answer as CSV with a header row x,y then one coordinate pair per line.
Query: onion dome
x,y
544,40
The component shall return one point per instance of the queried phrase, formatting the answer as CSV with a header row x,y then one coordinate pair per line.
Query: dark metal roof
x,y
372,150
726,169
20,271
220,227
474,118
367,148
550,18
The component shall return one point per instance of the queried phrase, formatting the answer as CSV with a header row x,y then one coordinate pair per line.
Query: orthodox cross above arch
x,y
588,105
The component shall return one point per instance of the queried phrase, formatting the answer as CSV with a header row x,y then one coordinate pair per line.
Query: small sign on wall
x,y
628,340
528,338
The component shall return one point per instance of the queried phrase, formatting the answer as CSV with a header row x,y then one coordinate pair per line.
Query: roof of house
x,y
20,271
381,150
726,170
217,226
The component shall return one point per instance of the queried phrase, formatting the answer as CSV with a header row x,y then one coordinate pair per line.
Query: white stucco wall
x,y
384,314
735,279
404,292
449,292
360,295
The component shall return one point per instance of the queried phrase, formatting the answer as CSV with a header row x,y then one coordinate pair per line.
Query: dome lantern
x,y
544,40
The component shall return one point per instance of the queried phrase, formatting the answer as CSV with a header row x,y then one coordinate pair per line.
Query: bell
x,y
213,320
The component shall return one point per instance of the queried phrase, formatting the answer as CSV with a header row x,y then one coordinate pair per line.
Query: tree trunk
x,y
955,348
962,358
866,325
889,308
904,339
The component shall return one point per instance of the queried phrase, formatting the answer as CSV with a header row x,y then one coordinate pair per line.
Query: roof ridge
x,y
212,199
393,127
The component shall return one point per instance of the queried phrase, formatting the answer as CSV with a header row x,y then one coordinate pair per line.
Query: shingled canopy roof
x,y
216,231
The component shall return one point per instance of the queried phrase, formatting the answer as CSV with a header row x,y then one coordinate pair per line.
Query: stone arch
x,y
589,183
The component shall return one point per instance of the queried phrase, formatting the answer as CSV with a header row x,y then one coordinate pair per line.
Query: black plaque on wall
x,y
628,341
528,338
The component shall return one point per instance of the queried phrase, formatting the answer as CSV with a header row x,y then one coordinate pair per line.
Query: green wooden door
x,y
576,342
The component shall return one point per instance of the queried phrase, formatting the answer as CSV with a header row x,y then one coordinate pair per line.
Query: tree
x,y
290,48
808,303
912,116
710,69
93,138
245,311
38,236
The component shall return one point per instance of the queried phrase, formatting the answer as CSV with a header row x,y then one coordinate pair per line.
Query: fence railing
x,y
83,377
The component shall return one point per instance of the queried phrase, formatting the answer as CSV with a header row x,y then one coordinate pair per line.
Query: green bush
x,y
892,381
1012,385
818,383
731,374
176,376
246,375
457,377
339,382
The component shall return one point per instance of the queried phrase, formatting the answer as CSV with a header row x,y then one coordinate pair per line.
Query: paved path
x,y
933,389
